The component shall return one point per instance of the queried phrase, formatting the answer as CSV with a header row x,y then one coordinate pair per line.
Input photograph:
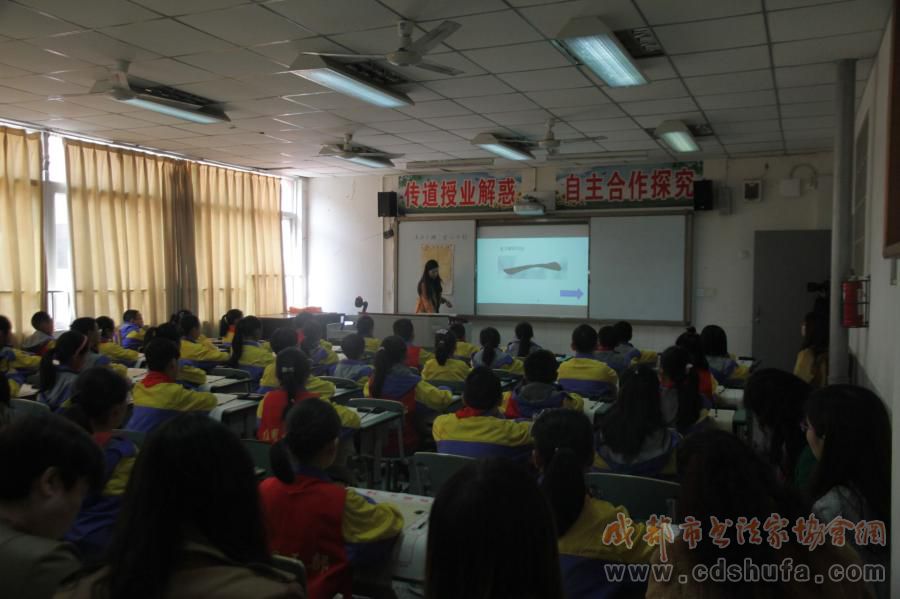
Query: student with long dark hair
x,y
57,380
812,361
322,358
193,351
108,346
330,528
479,429
777,402
634,438
563,452
723,365
722,477
353,366
491,535
492,356
464,349
88,327
228,324
849,431
416,356
365,328
443,366
247,351
524,344
282,339
99,406
681,404
539,390
193,542
430,290
14,363
690,341
584,374
393,379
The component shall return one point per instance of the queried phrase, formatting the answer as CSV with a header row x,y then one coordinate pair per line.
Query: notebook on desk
x,y
224,398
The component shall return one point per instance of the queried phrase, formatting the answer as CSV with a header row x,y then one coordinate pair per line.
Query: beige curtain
x,y
237,218
181,238
23,273
122,246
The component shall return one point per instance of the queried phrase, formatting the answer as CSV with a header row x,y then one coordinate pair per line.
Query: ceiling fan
x,y
359,154
550,143
410,53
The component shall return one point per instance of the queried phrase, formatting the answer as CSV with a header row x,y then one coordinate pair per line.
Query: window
x,y
58,243
293,238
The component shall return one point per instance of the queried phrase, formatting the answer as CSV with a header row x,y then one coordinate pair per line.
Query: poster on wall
x,y
462,192
443,254
625,186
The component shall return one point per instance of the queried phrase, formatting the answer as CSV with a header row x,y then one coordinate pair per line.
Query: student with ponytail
x,y
464,349
56,381
563,452
690,341
247,352
99,406
539,390
681,404
88,327
282,339
443,366
108,346
723,365
228,324
14,363
321,357
523,346
193,351
492,357
393,379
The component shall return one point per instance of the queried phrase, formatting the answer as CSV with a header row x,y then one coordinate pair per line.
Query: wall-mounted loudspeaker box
x,y
703,195
753,190
387,204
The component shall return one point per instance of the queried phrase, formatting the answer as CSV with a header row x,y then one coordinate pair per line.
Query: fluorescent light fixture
x,y
677,136
370,161
597,157
204,115
332,74
594,44
504,149
449,165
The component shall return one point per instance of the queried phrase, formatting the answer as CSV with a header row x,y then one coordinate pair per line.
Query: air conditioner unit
x,y
535,203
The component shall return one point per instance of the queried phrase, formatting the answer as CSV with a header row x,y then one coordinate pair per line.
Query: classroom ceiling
x,y
759,72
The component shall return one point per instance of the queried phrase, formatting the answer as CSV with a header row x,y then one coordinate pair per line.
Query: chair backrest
x,y
21,407
388,405
291,566
642,496
231,373
136,437
340,382
434,469
259,453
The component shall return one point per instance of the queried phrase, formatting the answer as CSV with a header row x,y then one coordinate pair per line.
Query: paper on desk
x,y
26,390
223,398
137,374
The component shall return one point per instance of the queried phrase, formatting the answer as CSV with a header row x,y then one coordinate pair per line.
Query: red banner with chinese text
x,y
464,192
643,185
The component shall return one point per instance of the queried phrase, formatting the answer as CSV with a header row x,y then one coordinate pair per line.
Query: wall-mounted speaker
x,y
387,204
703,195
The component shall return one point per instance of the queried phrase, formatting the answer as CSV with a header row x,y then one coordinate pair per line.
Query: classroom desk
x,y
731,398
373,432
237,414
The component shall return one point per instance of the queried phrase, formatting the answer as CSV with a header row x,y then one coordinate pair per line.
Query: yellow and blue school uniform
x,y
465,350
270,414
158,399
656,458
727,370
93,359
451,370
512,348
530,399
618,362
199,355
354,370
270,382
323,360
502,361
38,343
131,336
583,554
254,359
372,344
482,434
17,365
190,377
636,356
587,376
117,353
59,396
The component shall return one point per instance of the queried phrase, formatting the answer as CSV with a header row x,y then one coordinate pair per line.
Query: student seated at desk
x,y
464,349
282,339
365,328
681,404
539,390
523,346
722,364
585,374
88,327
228,324
491,535
393,379
47,467
14,363
443,367
188,376
193,503
606,351
112,350
479,430
690,341
322,358
563,452
158,398
812,361
132,330
330,528
292,368
634,438
624,333
42,338
57,379
492,357
193,351
416,356
353,367
201,338
247,353
99,406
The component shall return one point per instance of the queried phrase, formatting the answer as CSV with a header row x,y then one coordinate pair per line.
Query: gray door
x,y
783,263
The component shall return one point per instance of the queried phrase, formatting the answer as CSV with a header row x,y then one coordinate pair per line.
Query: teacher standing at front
x,y
430,290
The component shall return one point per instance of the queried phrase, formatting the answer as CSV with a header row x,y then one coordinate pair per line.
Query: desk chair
x,y
340,382
642,496
234,373
259,453
22,407
388,405
135,437
435,469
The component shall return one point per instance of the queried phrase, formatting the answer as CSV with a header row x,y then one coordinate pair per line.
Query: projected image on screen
x,y
545,274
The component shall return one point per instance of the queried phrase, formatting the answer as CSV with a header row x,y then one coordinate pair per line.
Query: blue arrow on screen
x,y
571,293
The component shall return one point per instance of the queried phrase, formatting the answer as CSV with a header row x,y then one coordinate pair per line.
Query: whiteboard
x,y
639,268
415,234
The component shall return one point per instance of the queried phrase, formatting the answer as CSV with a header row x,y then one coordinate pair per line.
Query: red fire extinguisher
x,y
852,317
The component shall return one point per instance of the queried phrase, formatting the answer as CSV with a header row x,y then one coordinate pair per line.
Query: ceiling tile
x,y
815,74
658,90
161,132
722,61
36,60
402,127
812,93
170,72
730,128
551,17
166,37
118,121
20,113
490,29
286,52
235,62
498,103
748,148
587,113
810,145
653,120
735,115
797,134
658,106
450,59
375,41
730,82
9,95
416,10
702,36
430,137
434,109
547,79
812,122
737,100
463,87
269,107
452,123
656,68
754,136
316,120
630,146
772,5
20,22
45,85
856,45
282,84
223,90
329,101
581,96
263,124
520,117
626,135
246,25
519,57
7,72
68,109
150,116
92,47
665,11
418,93
371,115
379,140
180,7
596,126
335,16
95,13
837,18
101,103
807,109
